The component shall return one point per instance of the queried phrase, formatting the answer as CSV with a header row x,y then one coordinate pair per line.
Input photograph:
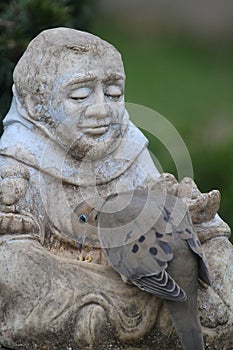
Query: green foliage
x,y
21,20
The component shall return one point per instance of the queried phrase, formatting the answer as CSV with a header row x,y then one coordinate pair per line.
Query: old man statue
x,y
67,137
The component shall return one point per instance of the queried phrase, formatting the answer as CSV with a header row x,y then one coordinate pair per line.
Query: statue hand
x,y
202,206
14,216
14,183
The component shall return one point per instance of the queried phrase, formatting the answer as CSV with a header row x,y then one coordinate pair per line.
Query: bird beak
x,y
80,242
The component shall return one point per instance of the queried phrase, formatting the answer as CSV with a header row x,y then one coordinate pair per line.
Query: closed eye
x,y
80,94
78,98
113,92
113,97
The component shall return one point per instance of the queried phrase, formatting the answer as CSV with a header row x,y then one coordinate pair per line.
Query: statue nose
x,y
98,108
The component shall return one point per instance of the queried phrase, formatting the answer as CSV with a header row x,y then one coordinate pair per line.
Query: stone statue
x,y
67,137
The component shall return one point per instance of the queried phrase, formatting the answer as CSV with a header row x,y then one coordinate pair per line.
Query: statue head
x,y
73,83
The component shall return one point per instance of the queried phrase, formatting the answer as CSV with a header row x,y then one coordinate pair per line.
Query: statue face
x,y
88,103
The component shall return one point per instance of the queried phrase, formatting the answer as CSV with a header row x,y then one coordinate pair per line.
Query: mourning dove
x,y
149,240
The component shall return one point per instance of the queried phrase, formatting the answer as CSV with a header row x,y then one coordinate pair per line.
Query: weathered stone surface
x,y
50,296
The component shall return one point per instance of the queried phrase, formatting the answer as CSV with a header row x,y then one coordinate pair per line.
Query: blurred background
x,y
178,57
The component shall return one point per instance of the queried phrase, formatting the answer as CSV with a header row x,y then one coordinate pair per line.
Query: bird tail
x,y
187,324
192,339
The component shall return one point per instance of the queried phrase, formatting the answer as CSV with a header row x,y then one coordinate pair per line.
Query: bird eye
x,y
82,219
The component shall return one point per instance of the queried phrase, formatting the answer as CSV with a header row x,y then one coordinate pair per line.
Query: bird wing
x,y
144,262
137,245
135,233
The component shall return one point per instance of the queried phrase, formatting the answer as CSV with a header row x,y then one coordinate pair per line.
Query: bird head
x,y
84,222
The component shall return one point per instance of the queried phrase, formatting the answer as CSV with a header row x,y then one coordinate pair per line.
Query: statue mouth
x,y
98,130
